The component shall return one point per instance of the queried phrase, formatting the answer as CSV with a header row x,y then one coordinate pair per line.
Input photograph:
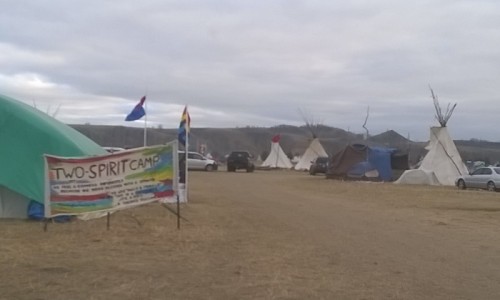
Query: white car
x,y
196,161
483,178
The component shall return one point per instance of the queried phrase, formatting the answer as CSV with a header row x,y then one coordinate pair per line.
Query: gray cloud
x,y
256,63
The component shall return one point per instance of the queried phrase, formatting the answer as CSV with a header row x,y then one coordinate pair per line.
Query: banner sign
x,y
111,182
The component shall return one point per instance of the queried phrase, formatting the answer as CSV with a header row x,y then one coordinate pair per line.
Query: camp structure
x,y
277,158
362,162
315,148
27,134
312,152
442,164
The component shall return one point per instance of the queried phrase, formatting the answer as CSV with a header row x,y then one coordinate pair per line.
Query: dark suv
x,y
239,160
319,165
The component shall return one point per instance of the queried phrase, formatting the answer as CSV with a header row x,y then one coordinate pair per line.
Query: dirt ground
x,y
268,235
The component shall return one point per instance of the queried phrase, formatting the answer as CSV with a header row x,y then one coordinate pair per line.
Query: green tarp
x,y
26,134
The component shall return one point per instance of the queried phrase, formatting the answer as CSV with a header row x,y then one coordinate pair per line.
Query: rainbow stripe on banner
x,y
111,182
81,204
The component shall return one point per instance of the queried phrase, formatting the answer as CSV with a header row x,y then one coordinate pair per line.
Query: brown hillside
x,y
294,140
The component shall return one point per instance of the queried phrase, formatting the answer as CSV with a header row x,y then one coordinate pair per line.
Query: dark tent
x,y
345,159
359,161
399,161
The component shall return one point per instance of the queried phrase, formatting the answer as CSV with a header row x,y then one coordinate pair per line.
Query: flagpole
x,y
188,128
145,124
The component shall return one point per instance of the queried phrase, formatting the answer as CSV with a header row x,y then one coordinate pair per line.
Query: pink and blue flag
x,y
138,111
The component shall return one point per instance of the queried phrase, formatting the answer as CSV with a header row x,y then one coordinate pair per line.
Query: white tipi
x,y
314,151
442,164
443,157
277,157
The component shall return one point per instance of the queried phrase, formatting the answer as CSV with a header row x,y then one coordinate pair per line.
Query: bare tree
x,y
310,123
54,114
48,112
366,120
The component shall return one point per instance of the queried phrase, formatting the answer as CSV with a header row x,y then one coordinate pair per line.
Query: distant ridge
x,y
257,140
390,137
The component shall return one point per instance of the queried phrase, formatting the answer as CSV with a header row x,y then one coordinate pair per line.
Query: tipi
x,y
442,164
277,158
312,152
27,134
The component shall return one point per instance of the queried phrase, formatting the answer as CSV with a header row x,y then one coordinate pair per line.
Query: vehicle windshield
x,y
497,170
322,160
240,154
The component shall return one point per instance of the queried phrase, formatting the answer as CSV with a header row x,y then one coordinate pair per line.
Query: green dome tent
x,y
26,134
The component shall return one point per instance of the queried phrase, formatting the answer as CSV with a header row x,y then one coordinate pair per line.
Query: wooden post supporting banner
x,y
108,217
178,212
45,224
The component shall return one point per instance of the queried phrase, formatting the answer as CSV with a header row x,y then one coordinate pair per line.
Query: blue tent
x,y
359,161
380,158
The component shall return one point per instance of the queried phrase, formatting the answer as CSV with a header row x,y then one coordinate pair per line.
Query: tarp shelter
x,y
359,161
27,134
442,162
314,151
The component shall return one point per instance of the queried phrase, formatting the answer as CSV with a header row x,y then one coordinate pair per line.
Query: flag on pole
x,y
184,126
183,136
138,111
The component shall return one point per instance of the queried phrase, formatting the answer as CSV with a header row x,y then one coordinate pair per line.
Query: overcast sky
x,y
257,63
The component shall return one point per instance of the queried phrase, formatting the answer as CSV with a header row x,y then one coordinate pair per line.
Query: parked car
x,y
240,160
196,161
319,165
483,178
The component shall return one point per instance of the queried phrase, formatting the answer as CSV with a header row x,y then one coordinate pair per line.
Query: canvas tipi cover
x,y
277,157
314,151
442,160
417,176
27,134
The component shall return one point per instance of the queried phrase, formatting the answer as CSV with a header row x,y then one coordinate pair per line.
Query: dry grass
x,y
268,235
